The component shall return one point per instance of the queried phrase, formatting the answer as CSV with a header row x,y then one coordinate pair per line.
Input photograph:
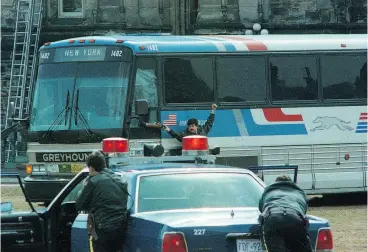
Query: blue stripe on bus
x,y
230,47
362,127
362,123
270,130
226,125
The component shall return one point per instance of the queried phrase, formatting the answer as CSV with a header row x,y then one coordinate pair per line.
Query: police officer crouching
x,y
284,222
104,195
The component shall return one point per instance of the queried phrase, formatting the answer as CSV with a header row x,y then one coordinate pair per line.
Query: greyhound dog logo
x,y
326,122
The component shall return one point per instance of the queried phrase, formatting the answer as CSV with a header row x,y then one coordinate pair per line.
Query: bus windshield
x,y
68,93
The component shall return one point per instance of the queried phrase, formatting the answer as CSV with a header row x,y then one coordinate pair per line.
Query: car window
x,y
197,190
73,194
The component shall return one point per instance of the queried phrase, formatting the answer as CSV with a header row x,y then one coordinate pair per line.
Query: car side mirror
x,y
141,107
6,207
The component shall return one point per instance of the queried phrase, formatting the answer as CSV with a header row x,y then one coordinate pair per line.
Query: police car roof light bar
x,y
195,150
115,145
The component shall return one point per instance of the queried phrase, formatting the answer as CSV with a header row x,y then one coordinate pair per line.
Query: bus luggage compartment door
x,y
339,166
300,156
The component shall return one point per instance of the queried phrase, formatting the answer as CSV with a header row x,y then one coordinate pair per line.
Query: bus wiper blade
x,y
66,108
58,119
79,114
84,122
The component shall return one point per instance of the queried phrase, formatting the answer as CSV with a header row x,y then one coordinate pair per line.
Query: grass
x,y
348,222
347,215
14,195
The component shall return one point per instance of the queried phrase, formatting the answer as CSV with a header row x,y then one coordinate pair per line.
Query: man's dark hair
x,y
192,121
96,160
283,178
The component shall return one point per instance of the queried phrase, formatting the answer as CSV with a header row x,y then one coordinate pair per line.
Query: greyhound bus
x,y
282,100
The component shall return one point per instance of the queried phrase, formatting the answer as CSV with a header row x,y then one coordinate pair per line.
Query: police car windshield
x,y
197,190
100,87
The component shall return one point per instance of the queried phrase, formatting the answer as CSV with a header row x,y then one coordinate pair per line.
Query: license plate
x,y
77,167
64,168
249,245
52,168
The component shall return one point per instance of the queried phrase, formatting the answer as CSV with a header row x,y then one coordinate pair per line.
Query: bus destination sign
x,y
90,53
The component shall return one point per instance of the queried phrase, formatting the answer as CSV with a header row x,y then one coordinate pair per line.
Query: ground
x,y
349,226
347,215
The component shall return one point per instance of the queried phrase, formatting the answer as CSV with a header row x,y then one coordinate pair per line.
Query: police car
x,y
174,207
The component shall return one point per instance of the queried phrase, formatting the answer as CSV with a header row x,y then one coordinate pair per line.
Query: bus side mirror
x,y
141,107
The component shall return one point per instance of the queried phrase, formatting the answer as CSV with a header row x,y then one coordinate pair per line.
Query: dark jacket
x,y
284,194
104,197
201,130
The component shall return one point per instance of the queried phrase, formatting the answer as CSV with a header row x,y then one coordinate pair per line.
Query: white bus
x,y
282,100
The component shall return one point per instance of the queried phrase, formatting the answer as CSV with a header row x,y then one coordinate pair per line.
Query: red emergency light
x,y
195,143
115,145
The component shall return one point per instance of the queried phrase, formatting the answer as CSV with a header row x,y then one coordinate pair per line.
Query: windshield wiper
x,y
81,117
66,108
58,119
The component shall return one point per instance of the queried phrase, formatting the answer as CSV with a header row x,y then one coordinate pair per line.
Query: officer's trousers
x,y
109,240
285,231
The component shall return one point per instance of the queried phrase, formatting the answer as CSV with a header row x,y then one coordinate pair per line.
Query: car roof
x,y
133,171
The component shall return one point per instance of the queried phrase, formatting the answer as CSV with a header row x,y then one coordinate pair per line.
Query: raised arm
x,y
211,118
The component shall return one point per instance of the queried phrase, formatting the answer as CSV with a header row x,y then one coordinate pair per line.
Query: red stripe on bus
x,y
276,115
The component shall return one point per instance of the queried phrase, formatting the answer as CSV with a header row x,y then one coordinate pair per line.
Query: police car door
x,y
20,230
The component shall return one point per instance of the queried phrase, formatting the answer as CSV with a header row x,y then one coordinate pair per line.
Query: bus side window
x,y
344,76
189,80
146,87
294,77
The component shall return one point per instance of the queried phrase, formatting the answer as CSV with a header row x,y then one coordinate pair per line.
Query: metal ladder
x,y
24,58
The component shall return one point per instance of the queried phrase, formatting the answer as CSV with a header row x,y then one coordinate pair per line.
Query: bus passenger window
x,y
188,80
344,77
293,77
241,79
